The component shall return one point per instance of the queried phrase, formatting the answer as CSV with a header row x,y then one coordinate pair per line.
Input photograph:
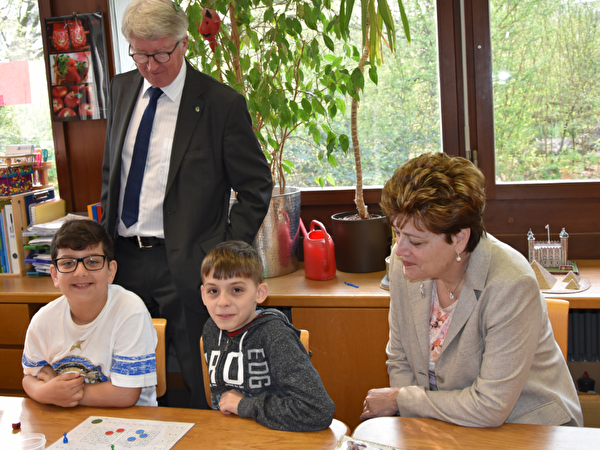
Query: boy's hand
x,y
46,374
228,404
64,390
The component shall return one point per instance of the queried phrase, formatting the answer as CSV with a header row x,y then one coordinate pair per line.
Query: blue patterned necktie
x,y
131,199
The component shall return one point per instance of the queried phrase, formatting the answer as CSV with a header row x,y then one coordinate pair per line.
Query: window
x,y
24,112
546,81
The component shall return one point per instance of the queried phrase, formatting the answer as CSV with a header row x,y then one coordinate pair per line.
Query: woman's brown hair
x,y
443,194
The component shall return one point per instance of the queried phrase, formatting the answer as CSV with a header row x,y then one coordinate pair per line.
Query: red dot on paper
x,y
108,433
120,430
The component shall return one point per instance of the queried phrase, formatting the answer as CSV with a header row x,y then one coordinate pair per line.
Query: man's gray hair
x,y
154,19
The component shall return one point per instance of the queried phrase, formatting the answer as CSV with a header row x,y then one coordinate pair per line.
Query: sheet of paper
x,y
101,432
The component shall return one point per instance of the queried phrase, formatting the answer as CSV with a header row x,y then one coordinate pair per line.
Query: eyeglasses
x,y
160,57
90,262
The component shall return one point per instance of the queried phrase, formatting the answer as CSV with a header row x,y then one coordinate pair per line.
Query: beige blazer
x,y
499,362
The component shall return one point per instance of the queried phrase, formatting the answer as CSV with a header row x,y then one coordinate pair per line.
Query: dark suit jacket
x,y
214,150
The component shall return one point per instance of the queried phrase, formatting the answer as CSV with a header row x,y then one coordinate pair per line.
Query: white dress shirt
x,y
150,221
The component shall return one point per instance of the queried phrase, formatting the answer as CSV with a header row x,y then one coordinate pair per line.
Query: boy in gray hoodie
x,y
258,367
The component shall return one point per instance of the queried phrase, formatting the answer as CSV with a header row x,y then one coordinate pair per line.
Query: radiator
x,y
584,335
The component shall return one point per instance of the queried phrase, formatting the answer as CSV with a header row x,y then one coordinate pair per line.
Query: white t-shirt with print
x,y
118,346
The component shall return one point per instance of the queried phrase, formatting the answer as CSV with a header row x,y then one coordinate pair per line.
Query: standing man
x,y
171,157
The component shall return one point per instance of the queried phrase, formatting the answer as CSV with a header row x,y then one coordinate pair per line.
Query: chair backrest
x,y
304,338
160,325
205,375
558,313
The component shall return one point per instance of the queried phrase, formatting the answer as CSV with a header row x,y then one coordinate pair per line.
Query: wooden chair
x,y
304,338
558,313
160,325
205,375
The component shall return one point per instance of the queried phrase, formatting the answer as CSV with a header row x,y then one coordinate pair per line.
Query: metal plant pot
x,y
277,237
361,245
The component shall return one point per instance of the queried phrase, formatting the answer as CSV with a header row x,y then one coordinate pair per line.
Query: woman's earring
x,y
458,258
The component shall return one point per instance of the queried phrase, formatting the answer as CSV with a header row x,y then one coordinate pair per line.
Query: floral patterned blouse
x,y
439,322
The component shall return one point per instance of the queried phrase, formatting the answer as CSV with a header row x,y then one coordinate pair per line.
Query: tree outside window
x,y
546,66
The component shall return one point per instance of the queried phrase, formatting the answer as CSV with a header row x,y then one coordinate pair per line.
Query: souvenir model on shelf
x,y
549,258
552,255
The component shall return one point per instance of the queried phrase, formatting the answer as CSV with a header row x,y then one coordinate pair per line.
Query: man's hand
x,y
380,403
228,404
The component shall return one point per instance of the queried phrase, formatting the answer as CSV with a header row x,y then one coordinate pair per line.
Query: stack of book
x,y
39,255
9,255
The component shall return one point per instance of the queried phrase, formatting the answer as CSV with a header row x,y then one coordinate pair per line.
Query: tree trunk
x,y
359,199
235,37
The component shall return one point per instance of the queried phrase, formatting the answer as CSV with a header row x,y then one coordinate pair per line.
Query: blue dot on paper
x,y
143,435
132,438
139,431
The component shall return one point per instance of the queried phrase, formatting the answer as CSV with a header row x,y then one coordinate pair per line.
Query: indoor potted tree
x,y
362,239
274,54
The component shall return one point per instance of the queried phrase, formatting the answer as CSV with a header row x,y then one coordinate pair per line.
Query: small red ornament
x,y
209,27
60,36
16,426
77,34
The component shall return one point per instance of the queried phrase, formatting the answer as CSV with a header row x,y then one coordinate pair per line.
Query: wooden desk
x,y
425,434
212,429
348,327
296,290
590,298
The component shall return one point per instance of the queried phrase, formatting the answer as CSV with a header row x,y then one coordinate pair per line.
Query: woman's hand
x,y
380,403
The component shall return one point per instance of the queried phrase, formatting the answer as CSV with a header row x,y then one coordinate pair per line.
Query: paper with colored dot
x,y
102,432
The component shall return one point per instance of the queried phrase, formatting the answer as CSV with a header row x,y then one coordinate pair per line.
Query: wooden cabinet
x,y
14,320
348,329
348,351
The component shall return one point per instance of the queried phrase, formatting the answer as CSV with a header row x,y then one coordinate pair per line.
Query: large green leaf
x,y
358,79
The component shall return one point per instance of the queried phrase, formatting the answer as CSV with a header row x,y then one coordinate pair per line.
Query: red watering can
x,y
319,252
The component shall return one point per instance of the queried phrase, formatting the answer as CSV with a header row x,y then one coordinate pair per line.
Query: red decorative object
x,y
60,36
77,34
209,27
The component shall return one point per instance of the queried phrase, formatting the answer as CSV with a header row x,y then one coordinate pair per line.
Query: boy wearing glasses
x,y
95,344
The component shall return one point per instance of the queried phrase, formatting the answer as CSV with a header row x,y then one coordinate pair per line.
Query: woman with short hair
x,y
470,339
